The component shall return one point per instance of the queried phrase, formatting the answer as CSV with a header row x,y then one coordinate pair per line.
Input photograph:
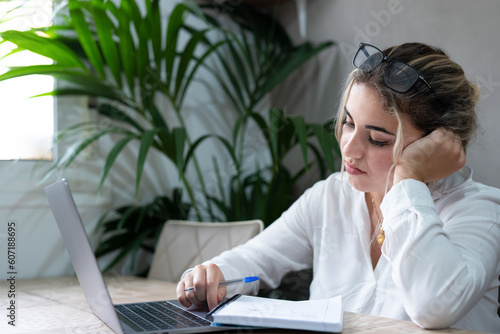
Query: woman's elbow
x,y
434,323
434,315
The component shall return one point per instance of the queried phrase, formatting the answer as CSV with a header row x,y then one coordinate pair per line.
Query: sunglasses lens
x,y
367,58
400,77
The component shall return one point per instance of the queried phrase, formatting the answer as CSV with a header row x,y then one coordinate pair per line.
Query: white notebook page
x,y
320,315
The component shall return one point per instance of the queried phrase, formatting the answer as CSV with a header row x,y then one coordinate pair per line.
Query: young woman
x,y
402,231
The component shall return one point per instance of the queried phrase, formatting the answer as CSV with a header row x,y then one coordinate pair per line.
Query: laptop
x,y
166,316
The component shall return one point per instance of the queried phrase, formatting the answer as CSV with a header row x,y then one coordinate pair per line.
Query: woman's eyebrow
x,y
371,127
347,112
377,128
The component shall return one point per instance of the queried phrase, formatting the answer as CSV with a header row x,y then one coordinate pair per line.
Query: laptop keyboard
x,y
159,315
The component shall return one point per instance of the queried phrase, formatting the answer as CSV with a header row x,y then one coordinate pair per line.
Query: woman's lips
x,y
353,170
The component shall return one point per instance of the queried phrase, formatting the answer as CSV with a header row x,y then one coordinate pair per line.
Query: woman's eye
x,y
378,143
347,123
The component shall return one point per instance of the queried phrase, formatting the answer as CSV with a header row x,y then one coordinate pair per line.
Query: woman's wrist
x,y
401,173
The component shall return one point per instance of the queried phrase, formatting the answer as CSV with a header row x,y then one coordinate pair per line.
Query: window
x,y
26,124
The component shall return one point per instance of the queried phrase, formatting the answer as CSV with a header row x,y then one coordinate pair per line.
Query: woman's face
x,y
368,138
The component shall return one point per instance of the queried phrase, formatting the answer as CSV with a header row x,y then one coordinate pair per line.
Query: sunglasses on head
x,y
400,77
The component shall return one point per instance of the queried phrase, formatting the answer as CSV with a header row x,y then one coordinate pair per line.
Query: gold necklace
x,y
381,233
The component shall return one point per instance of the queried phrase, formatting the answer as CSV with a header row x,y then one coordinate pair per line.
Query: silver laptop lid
x,y
81,254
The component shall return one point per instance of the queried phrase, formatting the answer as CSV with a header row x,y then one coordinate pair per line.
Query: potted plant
x,y
262,56
126,59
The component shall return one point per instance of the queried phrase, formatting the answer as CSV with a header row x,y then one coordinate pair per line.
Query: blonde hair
x,y
452,105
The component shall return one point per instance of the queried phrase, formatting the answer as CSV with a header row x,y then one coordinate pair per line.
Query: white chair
x,y
184,244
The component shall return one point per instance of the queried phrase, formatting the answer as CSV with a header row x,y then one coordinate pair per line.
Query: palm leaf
x,y
300,128
86,37
240,67
110,159
173,27
179,138
146,142
219,180
110,111
73,152
319,159
15,72
295,60
105,31
84,84
154,22
133,12
327,144
110,7
226,88
127,48
200,61
87,91
275,121
186,57
192,148
142,59
234,84
53,49
259,120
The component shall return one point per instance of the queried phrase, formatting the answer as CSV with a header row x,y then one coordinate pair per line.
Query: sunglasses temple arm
x,y
426,83
431,89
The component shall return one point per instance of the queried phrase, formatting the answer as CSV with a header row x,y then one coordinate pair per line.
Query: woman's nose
x,y
353,147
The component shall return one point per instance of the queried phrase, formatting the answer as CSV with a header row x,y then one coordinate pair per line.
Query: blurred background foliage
x,y
124,57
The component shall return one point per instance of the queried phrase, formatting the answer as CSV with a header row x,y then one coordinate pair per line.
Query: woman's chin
x,y
359,184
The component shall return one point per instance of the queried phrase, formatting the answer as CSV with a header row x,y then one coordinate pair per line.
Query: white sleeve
x,y
442,264
282,247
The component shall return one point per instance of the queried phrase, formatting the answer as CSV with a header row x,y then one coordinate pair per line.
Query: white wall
x,y
467,30
39,250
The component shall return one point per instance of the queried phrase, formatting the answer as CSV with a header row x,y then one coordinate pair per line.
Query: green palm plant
x,y
127,59
261,52
262,56
266,192
99,61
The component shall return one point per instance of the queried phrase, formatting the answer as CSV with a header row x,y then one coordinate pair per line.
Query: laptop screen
x,y
81,254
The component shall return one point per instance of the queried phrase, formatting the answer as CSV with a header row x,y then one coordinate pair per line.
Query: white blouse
x,y
441,256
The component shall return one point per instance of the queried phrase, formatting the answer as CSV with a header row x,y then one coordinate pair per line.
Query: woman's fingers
x,y
205,280
431,158
214,293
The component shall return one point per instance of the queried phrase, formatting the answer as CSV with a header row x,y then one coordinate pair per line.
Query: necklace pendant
x,y
381,235
380,238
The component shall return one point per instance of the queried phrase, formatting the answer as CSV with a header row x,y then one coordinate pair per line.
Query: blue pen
x,y
233,281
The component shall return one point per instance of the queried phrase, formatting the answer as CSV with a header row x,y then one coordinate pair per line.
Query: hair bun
x,y
476,92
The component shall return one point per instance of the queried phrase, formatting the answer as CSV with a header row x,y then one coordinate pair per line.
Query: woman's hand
x,y
431,158
205,280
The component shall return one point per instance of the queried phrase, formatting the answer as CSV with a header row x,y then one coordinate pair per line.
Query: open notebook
x,y
324,315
